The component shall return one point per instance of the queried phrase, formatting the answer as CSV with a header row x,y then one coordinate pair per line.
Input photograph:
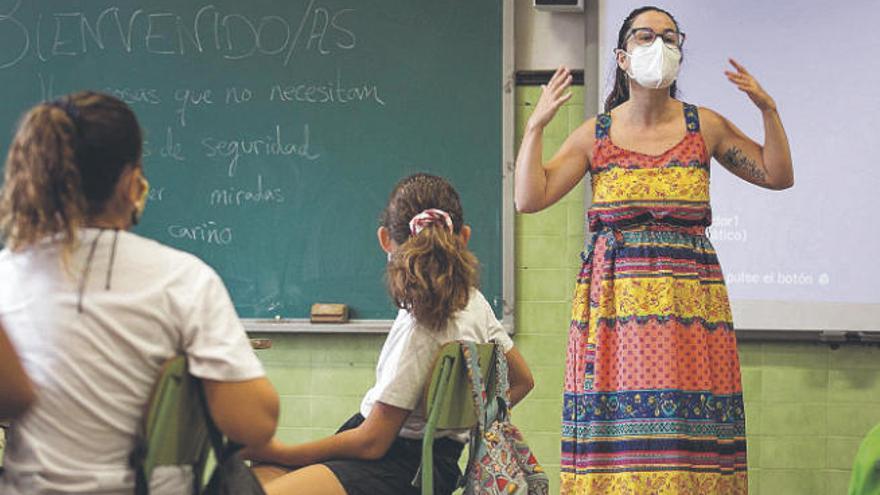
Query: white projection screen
x,y
807,258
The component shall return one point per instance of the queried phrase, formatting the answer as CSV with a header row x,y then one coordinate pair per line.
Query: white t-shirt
x,y
408,355
94,369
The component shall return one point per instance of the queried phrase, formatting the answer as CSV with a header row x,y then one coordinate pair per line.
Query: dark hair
x,y
63,166
620,92
431,273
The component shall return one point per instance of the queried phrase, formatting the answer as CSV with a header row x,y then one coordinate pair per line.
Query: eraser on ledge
x,y
329,313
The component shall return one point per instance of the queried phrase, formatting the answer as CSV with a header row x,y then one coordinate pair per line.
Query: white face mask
x,y
654,66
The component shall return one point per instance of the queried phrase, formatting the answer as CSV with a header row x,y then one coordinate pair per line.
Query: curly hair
x,y
432,273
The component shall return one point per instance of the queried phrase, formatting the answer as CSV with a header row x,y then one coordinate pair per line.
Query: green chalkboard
x,y
276,129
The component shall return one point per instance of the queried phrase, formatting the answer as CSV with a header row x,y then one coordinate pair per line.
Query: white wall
x,y
546,40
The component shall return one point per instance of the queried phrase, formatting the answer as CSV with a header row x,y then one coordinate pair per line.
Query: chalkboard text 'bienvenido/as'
x,y
201,31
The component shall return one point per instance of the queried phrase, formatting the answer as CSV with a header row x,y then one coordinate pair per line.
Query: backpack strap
x,y
498,396
475,377
502,382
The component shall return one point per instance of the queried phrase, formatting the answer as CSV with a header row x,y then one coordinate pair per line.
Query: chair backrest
x,y
175,428
456,406
865,475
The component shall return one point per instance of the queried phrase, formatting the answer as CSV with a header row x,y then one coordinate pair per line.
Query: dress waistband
x,y
614,235
653,227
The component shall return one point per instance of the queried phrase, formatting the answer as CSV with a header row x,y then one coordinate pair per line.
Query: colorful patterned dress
x,y
653,397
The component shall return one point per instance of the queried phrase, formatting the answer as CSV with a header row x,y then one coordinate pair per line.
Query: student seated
x,y
95,310
432,277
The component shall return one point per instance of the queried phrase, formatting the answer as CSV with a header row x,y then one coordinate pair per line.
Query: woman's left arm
x,y
768,166
369,441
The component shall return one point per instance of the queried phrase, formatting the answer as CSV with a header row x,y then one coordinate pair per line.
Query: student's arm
x,y
242,401
246,411
519,375
16,393
369,441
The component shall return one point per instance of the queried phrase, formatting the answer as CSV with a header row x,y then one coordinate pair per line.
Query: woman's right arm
x,y
16,393
539,185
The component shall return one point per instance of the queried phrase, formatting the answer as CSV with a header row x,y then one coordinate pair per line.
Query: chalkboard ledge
x,y
303,325
833,337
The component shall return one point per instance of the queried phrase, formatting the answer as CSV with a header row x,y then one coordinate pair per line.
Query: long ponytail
x,y
432,272
42,192
63,166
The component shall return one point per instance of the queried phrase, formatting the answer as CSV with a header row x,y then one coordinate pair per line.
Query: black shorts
x,y
394,473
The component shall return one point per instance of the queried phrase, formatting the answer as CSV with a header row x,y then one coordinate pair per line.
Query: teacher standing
x,y
653,395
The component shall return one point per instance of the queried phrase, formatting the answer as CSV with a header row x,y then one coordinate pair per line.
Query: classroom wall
x,y
546,40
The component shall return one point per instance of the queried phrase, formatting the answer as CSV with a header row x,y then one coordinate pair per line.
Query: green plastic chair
x,y
175,430
865,476
448,401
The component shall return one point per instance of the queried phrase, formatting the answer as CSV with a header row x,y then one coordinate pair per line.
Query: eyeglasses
x,y
645,36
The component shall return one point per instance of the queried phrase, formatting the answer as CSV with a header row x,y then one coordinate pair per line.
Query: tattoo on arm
x,y
740,164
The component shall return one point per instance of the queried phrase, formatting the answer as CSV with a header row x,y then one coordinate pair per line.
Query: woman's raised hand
x,y
553,96
749,85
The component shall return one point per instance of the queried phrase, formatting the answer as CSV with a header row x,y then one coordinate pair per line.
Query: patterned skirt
x,y
653,396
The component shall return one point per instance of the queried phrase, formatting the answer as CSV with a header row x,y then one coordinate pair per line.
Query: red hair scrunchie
x,y
429,217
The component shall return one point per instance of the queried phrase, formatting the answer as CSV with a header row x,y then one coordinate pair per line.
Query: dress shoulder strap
x,y
603,125
691,118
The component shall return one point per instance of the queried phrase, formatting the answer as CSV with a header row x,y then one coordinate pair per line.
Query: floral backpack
x,y
500,461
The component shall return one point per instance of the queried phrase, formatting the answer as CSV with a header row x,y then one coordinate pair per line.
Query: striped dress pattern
x,y
653,395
